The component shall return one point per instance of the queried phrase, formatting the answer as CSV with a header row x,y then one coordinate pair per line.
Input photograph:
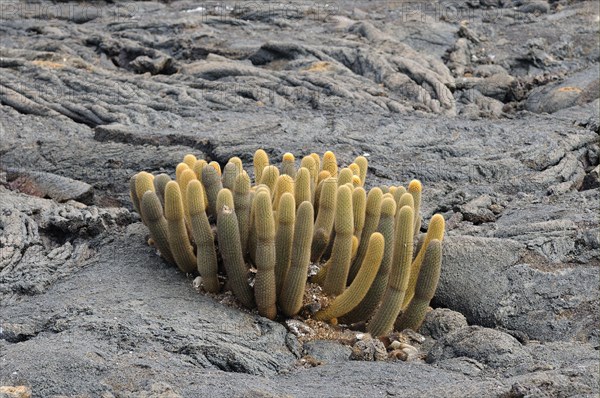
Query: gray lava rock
x,y
488,346
442,321
327,351
580,88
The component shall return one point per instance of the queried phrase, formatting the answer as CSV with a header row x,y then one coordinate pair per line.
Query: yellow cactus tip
x,y
328,155
288,157
189,158
182,166
437,218
415,186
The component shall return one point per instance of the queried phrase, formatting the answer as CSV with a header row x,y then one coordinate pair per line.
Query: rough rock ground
x,y
492,104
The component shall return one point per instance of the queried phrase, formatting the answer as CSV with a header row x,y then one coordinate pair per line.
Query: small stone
x,y
15,392
369,350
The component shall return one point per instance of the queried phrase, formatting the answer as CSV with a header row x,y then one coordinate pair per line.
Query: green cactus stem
x,y
216,166
212,185
337,274
302,186
198,166
152,212
285,184
179,242
189,159
238,163
310,163
372,213
317,160
286,217
359,207
345,176
367,306
133,194
143,182
242,199
225,198
264,284
270,175
184,179
346,301
160,183
203,236
434,231
400,190
179,169
325,219
415,188
231,251
413,316
330,163
391,304
230,173
363,165
288,165
261,160
295,280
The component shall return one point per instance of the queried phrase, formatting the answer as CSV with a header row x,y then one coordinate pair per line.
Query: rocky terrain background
x,y
493,104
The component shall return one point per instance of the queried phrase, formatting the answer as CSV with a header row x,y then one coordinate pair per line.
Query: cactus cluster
x,y
371,263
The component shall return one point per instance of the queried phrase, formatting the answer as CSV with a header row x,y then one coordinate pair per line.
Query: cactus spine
x,y
179,242
231,252
337,274
391,304
372,213
203,236
427,282
295,280
365,309
152,212
325,219
346,301
264,284
435,231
